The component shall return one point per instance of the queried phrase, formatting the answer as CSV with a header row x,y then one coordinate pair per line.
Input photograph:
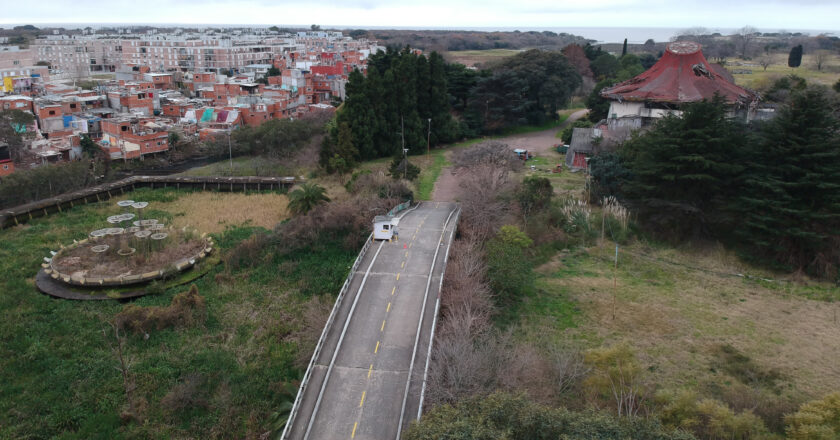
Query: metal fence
x,y
305,382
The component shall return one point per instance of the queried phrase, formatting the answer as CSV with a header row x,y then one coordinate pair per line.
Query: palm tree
x,y
306,197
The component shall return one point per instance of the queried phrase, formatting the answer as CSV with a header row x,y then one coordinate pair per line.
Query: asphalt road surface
x,y
364,393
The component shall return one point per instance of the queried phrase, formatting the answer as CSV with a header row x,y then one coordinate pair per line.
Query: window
x,y
72,105
52,112
5,166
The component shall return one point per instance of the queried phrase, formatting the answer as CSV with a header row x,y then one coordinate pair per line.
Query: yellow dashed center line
x,y
362,402
406,254
402,266
393,290
355,425
376,350
389,307
370,370
382,329
398,277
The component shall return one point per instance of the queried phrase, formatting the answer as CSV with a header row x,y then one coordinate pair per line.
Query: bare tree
x,y
745,36
820,58
765,61
116,342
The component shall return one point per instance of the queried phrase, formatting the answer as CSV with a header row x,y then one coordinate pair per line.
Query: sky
x,y
769,15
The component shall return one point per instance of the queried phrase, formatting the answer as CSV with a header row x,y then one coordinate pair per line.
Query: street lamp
x,y
230,155
405,163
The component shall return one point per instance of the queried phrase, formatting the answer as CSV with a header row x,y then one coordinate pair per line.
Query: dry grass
x,y
676,316
761,79
212,212
474,57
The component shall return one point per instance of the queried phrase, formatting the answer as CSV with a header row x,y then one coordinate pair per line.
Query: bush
x,y
816,420
24,186
505,416
401,168
708,418
187,309
508,269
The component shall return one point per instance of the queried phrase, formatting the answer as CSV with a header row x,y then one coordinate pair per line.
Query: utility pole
x,y
402,137
429,140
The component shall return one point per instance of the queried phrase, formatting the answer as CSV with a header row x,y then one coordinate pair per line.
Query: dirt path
x,y
446,188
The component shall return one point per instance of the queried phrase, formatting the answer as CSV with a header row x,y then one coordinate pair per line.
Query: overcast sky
x,y
555,14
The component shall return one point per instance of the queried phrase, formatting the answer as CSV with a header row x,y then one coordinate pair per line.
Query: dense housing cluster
x,y
200,84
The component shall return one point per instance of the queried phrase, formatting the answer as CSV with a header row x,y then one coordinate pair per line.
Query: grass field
x,y
761,79
473,57
242,166
684,310
221,378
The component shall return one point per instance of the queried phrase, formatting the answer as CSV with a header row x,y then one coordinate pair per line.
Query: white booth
x,y
384,227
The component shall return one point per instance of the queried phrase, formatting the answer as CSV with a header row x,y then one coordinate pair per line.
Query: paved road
x,y
363,397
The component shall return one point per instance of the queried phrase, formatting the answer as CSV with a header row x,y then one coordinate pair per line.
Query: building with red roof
x,y
682,75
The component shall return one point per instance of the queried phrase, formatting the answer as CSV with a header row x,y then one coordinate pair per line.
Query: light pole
x,y
230,155
429,140
405,163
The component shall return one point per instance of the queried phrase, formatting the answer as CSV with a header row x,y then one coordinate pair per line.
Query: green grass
x,y
429,175
242,166
58,373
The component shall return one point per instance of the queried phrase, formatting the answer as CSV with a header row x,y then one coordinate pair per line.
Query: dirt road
x,y
446,187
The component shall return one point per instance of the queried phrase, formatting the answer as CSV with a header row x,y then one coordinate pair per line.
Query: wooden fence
x,y
23,213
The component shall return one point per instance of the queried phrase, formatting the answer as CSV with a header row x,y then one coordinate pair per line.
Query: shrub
x,y
505,416
816,420
401,168
187,309
508,269
708,418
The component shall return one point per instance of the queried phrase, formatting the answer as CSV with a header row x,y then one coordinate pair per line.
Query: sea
x,y
634,35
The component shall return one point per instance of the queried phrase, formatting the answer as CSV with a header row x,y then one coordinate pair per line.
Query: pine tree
x,y
791,199
624,48
795,56
684,170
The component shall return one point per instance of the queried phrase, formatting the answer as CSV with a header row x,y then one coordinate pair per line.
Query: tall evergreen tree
x,y
791,199
684,171
795,56
624,48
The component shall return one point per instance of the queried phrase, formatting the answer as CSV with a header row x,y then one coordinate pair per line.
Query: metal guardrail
x,y
330,321
399,208
420,323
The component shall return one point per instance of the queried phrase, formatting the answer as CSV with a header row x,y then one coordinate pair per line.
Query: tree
x,y
577,57
684,170
315,28
790,203
273,71
836,86
307,196
274,29
508,268
401,168
765,61
795,56
89,147
534,195
820,58
624,48
14,131
744,38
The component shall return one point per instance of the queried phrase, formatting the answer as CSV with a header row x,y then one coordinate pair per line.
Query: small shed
x,y
384,227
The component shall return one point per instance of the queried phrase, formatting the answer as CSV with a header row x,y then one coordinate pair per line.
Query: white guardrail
x,y
330,321
305,382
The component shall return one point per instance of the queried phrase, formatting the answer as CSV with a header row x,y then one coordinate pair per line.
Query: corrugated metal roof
x,y
681,75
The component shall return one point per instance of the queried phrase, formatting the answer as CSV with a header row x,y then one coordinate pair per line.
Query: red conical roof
x,y
681,75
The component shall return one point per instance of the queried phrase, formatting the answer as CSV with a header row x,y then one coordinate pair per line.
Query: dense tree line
x,y
771,189
418,101
443,40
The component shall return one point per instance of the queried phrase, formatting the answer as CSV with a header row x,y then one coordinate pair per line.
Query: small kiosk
x,y
384,227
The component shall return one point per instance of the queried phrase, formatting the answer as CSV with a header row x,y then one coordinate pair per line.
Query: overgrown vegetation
x,y
706,175
216,365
